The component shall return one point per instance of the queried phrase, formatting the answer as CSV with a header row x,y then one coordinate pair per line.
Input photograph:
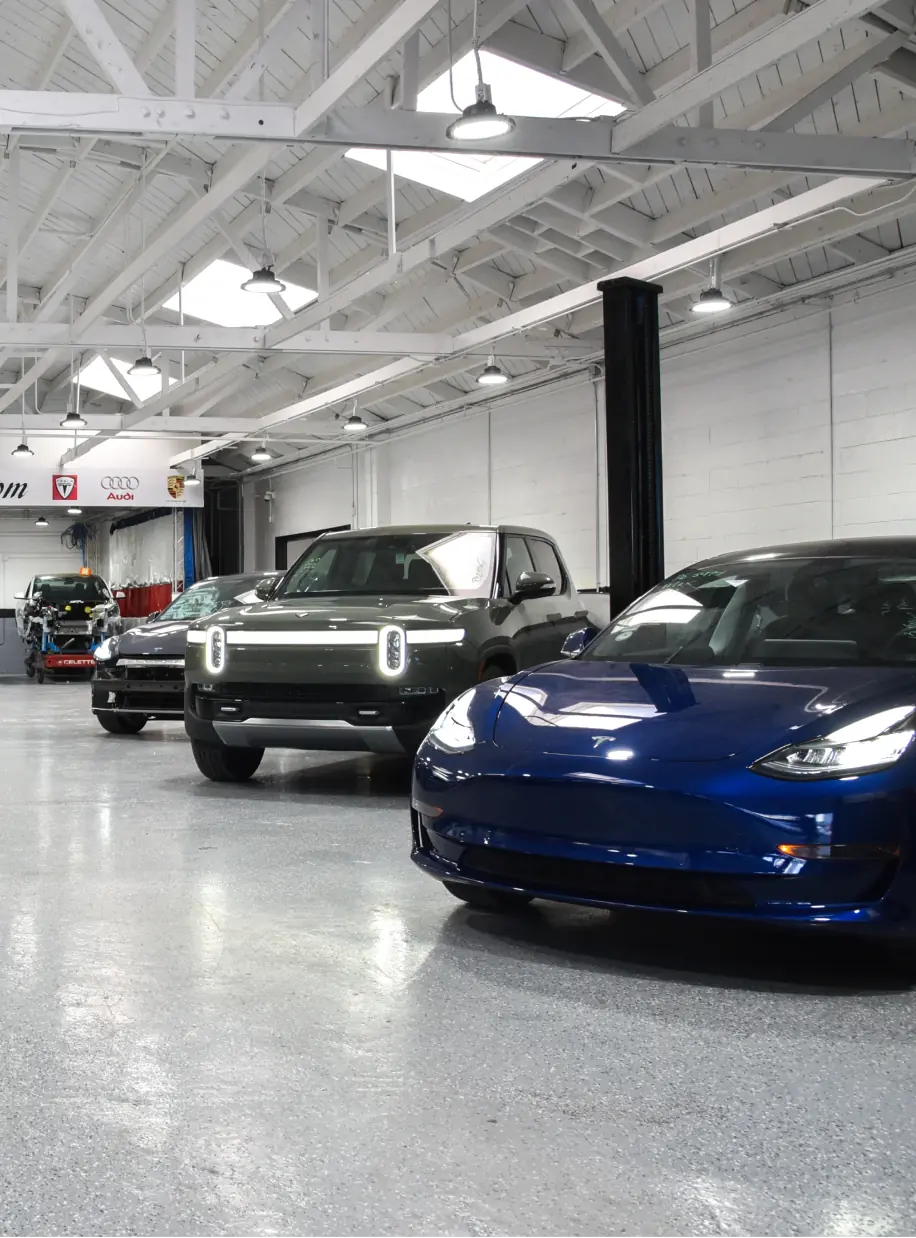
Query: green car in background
x,y
368,637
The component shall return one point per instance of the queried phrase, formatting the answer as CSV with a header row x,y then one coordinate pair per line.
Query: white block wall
x,y
26,552
798,426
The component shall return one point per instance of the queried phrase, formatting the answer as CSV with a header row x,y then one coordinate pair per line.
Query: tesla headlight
x,y
107,650
873,743
452,730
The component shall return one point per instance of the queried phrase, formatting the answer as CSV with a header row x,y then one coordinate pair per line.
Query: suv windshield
x,y
206,598
408,564
771,611
59,590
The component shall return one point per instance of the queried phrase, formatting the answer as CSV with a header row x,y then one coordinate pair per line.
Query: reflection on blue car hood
x,y
683,713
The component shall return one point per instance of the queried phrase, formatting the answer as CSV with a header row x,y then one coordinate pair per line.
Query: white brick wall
x,y
795,427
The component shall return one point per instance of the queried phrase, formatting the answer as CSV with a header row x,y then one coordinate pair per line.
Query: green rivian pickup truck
x,y
368,637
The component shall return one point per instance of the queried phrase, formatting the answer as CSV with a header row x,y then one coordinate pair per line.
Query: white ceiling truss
x,y
144,141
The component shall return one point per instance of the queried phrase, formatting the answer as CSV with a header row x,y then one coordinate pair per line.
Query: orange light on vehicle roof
x,y
85,571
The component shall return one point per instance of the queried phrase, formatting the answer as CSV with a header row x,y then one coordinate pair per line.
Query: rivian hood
x,y
160,640
298,614
686,714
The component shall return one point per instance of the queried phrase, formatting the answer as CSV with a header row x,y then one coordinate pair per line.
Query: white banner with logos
x,y
25,486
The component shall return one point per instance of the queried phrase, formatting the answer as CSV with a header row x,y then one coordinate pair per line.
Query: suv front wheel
x,y
220,763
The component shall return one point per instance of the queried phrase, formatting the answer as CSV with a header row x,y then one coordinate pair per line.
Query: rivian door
x,y
562,608
532,618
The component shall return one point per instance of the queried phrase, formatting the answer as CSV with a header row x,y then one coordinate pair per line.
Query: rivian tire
x,y
220,763
487,900
121,724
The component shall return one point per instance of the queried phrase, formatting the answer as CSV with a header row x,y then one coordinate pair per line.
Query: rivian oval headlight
x,y
107,650
873,743
215,650
452,731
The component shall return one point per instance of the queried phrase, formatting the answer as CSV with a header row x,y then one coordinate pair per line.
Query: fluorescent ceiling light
x,y
97,376
520,92
215,295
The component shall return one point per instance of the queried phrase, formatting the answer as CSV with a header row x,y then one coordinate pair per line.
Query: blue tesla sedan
x,y
738,743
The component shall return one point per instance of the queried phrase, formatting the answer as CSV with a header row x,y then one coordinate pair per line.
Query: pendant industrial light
x,y
354,423
492,375
145,366
41,523
261,455
264,280
480,119
73,420
24,451
74,511
191,479
712,300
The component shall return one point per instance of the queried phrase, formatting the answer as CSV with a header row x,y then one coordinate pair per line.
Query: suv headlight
x,y
873,743
452,730
107,650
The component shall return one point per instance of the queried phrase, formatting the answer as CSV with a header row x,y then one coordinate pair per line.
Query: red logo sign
x,y
64,486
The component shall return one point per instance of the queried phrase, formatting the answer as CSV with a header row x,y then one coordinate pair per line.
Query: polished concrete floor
x,y
241,1011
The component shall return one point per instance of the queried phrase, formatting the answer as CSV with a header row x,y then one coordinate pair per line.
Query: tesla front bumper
x,y
150,686
696,839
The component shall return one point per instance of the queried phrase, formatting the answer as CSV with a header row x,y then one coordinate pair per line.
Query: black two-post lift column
x,y
634,444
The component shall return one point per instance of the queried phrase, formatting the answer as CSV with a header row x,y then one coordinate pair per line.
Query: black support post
x,y
634,443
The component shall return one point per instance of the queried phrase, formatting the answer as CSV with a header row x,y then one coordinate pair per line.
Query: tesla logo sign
x,y
63,486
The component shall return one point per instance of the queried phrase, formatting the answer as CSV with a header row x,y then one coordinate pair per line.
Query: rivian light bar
x,y
367,640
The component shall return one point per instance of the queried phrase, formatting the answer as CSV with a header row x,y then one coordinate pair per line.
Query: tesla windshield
x,y
772,612
407,564
205,599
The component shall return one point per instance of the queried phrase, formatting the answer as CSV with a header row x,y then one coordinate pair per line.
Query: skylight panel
x,y
215,295
97,377
517,91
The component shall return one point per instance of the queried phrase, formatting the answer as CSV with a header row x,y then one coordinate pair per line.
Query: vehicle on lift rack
x,y
62,619
139,675
739,743
367,638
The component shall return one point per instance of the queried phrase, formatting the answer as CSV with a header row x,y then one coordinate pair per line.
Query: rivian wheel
x,y
222,764
487,900
122,724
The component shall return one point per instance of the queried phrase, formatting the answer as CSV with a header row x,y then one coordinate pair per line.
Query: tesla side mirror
x,y
264,588
533,585
577,641
153,615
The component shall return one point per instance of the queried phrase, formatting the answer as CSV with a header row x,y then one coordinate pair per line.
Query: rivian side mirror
x,y
153,615
264,588
533,585
577,641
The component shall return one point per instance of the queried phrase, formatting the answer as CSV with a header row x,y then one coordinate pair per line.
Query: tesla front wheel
x,y
222,764
121,724
487,900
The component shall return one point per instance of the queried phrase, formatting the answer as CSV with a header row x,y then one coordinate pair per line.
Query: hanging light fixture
x,y
492,375
24,450
74,511
41,523
264,280
354,424
191,479
73,421
480,119
144,367
261,455
712,300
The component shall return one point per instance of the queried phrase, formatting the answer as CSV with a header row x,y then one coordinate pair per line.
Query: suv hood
x,y
584,708
161,640
298,614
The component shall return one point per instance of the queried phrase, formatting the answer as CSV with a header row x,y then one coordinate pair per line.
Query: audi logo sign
x,y
120,483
